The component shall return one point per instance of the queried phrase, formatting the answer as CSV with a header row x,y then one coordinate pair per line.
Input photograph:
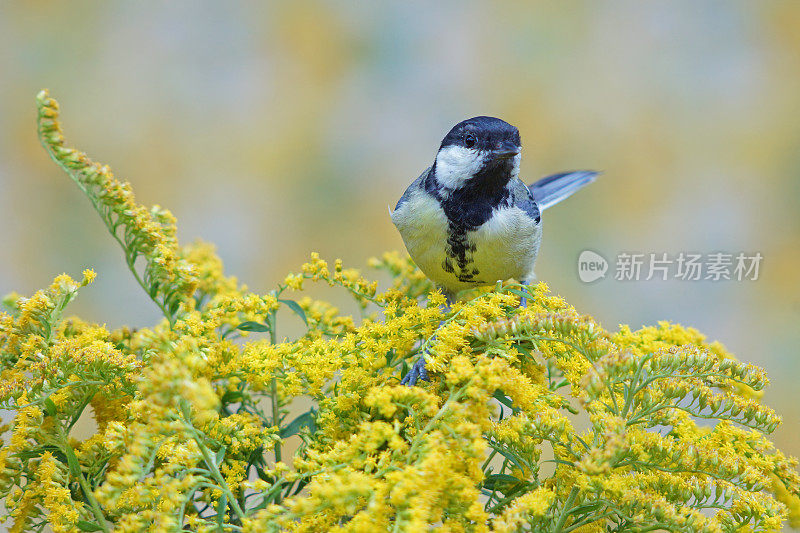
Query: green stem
x,y
488,459
639,418
51,152
212,466
454,396
276,416
96,510
140,281
353,291
565,511
586,521
501,503
276,409
75,468
629,394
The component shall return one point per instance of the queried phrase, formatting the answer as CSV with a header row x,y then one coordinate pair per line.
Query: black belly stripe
x,y
467,208
459,255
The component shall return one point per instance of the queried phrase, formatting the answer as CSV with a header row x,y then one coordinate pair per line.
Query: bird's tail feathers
x,y
551,190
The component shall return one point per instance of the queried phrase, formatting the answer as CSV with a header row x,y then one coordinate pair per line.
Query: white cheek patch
x,y
457,164
515,166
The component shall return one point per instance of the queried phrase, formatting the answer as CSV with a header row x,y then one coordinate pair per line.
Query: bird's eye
x,y
469,140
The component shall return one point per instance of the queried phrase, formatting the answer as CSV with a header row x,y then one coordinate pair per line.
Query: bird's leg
x,y
418,370
523,302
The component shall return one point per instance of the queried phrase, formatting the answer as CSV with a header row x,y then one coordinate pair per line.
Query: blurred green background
x,y
275,129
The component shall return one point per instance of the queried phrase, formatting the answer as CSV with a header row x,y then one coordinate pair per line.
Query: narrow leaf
x,y
293,428
50,407
518,292
222,504
505,400
497,481
219,456
526,352
507,454
232,396
72,461
252,326
83,525
294,306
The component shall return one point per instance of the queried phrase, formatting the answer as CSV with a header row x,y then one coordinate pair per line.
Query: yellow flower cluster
x,y
536,418
149,234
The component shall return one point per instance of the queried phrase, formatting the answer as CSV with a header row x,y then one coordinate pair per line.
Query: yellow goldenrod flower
x,y
536,419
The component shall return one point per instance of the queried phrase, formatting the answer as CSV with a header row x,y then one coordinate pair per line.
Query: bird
x,y
469,220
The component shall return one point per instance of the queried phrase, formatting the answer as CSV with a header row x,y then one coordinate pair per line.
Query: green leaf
x,y
502,398
72,461
498,481
516,461
222,504
565,405
294,306
50,407
505,400
526,352
301,483
83,525
293,428
252,326
518,292
219,456
232,396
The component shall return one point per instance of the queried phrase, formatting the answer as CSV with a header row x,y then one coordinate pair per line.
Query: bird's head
x,y
480,151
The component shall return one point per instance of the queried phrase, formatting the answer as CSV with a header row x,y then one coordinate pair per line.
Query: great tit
x,y
468,220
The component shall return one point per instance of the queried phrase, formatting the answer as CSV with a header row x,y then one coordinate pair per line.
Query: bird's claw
x,y
417,372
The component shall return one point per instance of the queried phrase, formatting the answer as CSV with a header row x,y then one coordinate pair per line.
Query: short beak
x,y
507,150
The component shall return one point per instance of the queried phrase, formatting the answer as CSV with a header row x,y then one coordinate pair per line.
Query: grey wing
x,y
416,184
523,198
552,189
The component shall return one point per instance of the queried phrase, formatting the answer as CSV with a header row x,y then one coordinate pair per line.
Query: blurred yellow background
x,y
276,129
